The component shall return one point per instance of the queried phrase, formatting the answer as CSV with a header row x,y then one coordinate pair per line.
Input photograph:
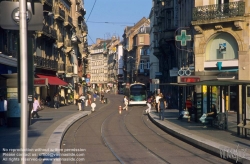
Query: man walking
x,y
56,101
148,110
36,105
125,103
162,105
81,102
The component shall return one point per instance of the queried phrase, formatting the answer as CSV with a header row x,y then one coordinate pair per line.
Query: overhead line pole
x,y
23,77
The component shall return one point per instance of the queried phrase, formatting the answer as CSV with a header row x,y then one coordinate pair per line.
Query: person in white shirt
x,y
3,111
81,102
125,100
36,105
157,98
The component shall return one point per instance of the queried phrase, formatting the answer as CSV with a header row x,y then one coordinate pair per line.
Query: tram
x,y
137,94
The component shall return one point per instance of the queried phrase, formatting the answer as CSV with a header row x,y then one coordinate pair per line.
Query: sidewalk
x,y
210,139
45,132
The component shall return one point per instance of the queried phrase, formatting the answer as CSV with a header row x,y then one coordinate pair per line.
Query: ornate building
x,y
136,43
58,51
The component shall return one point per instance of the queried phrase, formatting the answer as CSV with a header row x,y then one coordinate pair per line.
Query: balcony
x,y
53,33
61,68
68,21
48,2
59,13
217,12
45,63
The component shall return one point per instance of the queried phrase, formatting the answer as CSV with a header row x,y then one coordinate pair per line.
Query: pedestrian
x,y
81,102
94,96
89,99
125,100
36,106
102,97
162,105
149,101
48,100
3,111
189,106
211,115
156,102
56,101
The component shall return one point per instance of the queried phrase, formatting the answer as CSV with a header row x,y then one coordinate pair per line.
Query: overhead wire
x,y
88,19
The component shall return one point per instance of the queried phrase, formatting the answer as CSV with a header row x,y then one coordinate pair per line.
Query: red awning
x,y
53,80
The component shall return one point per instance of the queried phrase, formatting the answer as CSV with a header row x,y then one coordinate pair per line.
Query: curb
x,y
218,149
54,142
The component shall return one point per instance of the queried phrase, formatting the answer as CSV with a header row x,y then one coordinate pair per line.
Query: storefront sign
x,y
40,82
189,79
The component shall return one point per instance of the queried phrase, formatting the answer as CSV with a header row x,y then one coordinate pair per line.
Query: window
x,y
142,65
141,40
148,64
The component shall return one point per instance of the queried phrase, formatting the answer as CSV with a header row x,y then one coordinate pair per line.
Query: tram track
x,y
131,138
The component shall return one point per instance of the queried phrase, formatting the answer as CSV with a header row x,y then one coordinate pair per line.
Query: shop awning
x,y
53,80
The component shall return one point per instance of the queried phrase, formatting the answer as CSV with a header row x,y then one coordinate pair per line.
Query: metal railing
x,y
218,11
45,63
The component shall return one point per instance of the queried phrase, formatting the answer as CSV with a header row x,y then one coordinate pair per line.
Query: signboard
x,y
40,82
183,38
189,79
87,80
10,16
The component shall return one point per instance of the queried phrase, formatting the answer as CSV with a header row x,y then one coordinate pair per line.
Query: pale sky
x,y
116,13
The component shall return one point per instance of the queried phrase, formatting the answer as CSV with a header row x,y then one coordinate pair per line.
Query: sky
x,y
116,13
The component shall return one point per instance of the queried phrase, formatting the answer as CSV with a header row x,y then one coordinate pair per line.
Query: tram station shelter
x,y
228,95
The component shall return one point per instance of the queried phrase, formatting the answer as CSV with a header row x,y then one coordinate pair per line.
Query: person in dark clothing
x,y
48,100
211,115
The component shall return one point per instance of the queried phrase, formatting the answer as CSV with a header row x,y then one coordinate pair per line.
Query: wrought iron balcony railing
x,y
48,2
219,11
45,63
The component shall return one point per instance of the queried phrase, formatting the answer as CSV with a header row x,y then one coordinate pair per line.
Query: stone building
x,y
168,19
136,43
221,47
103,59
56,54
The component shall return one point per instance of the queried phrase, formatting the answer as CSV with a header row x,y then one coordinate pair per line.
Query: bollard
x,y
93,105
120,109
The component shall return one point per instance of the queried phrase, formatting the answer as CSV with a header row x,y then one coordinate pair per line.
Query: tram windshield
x,y
138,93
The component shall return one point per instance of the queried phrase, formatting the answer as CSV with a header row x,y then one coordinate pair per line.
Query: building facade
x,y
57,53
136,43
221,47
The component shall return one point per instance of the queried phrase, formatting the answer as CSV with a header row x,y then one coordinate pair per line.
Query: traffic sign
x,y
183,38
